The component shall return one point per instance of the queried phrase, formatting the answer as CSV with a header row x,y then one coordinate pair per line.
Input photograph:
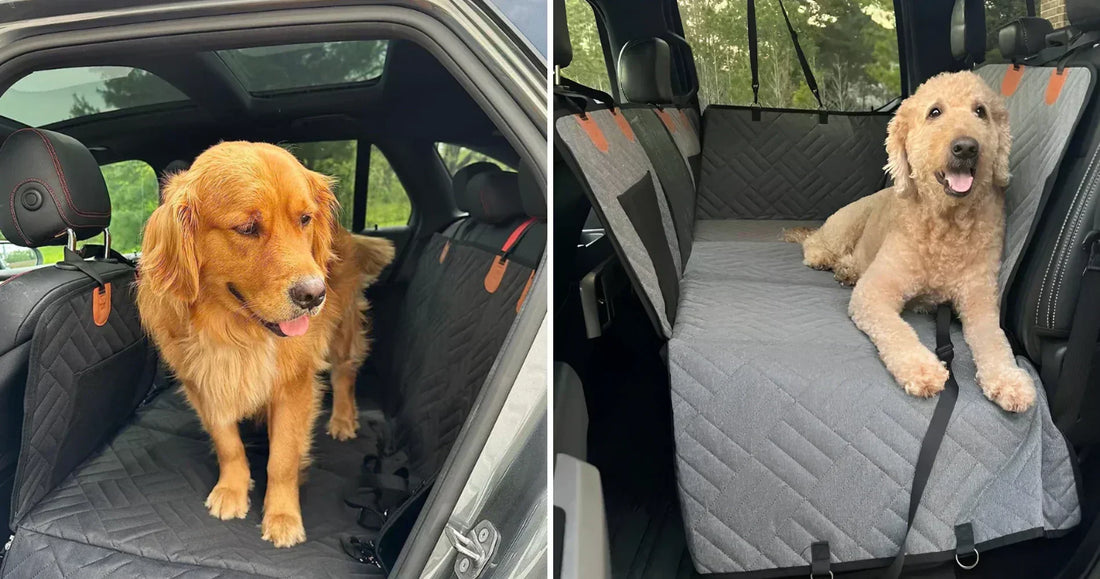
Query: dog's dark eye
x,y
979,111
249,229
306,219
934,112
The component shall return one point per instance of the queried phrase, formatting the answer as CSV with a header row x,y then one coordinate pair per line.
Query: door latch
x,y
475,548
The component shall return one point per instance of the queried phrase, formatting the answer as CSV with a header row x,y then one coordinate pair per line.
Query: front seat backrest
x,y
69,333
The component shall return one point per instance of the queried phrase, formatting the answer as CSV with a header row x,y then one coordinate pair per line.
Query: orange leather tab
x,y
496,273
624,125
1011,81
443,254
1054,85
526,288
593,131
667,120
101,304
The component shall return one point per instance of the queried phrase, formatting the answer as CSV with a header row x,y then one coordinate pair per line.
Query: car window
x,y
851,45
335,159
135,194
456,157
998,13
388,204
49,96
528,17
588,66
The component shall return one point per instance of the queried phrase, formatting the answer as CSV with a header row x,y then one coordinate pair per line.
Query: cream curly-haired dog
x,y
935,236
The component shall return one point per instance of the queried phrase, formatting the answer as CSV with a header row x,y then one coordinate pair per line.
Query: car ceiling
x,y
415,98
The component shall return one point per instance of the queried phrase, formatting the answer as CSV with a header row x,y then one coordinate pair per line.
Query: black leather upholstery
x,y
968,31
1083,14
488,194
645,71
1023,37
50,183
563,49
531,195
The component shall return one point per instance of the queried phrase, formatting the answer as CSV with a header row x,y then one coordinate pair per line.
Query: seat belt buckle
x,y
360,550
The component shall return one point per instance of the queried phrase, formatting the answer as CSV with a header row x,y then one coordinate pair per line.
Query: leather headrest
x,y
1023,37
1083,14
51,183
488,193
531,196
563,49
968,31
645,71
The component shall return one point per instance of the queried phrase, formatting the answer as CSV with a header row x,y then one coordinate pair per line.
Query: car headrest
x,y
968,31
1023,37
488,193
531,196
563,49
645,71
1083,14
52,183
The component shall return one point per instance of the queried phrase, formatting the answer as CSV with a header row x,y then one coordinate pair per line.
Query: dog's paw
x,y
226,502
342,428
1011,388
924,377
283,530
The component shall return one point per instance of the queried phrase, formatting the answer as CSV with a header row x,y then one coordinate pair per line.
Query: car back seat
x,y
789,430
135,507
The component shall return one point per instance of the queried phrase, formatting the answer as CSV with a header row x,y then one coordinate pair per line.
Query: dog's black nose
x,y
308,293
964,148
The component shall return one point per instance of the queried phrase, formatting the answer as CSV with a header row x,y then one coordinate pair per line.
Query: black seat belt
x,y
754,65
933,437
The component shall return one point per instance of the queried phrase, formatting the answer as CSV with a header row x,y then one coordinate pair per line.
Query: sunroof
x,y
301,66
49,96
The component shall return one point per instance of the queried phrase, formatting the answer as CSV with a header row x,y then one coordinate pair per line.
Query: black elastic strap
x,y
754,65
933,437
806,72
1030,7
1077,362
819,560
966,553
77,262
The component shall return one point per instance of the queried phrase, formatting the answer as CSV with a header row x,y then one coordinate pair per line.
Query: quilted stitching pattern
x,y
789,430
66,342
440,380
138,504
787,165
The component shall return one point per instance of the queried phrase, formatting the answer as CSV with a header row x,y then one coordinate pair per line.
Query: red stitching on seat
x,y
61,177
15,276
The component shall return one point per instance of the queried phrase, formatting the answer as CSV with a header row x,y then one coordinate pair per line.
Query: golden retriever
x,y
248,285
935,236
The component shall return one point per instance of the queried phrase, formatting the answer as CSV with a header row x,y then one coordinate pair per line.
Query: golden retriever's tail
x,y
797,234
372,254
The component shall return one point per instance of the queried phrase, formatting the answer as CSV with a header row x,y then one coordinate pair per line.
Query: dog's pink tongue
x,y
295,327
960,182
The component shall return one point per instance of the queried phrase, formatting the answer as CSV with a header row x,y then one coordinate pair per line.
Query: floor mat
x,y
136,508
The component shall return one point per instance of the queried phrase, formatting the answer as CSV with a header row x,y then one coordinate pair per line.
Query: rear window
x,y
305,66
852,47
335,159
455,157
49,96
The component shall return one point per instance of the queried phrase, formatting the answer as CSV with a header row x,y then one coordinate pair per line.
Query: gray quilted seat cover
x,y
136,509
789,430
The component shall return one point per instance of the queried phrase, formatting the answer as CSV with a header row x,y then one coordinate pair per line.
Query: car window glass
x,y
387,203
588,66
851,45
998,13
455,157
334,159
45,97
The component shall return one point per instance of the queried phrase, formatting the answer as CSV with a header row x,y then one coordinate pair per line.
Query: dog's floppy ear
x,y
897,162
999,114
325,221
169,263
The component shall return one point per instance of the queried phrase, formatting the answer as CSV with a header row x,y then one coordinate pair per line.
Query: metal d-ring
x,y
977,557
812,576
